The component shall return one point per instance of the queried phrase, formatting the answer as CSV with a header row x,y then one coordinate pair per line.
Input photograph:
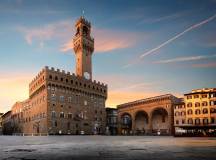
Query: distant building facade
x,y
112,120
197,113
64,103
7,127
150,116
1,114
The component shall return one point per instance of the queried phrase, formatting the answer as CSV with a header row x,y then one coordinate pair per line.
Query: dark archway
x,y
160,124
141,122
126,123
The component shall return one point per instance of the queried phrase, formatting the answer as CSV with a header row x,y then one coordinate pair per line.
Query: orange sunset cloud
x,y
108,40
13,88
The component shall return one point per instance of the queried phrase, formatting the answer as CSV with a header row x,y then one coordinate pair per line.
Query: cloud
x,y
67,46
136,60
63,31
178,35
163,18
185,59
42,34
108,40
205,65
208,38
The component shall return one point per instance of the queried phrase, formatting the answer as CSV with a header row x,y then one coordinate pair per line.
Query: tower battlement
x,y
83,21
50,74
64,73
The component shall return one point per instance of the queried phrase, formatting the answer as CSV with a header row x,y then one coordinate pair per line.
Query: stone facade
x,y
83,48
147,116
64,103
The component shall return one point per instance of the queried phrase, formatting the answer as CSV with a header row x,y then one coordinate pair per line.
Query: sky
x,y
142,48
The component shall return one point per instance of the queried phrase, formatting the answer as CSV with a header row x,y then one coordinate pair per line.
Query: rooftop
x,y
203,90
146,100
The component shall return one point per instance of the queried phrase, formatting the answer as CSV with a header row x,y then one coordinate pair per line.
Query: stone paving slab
x,y
106,148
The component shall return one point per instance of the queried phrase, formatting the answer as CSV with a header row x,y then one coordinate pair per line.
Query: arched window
x,y
197,111
53,114
77,31
50,76
176,113
85,30
56,78
70,115
183,121
204,103
213,110
61,114
205,111
183,113
205,121
190,111
126,120
189,105
197,121
197,104
190,121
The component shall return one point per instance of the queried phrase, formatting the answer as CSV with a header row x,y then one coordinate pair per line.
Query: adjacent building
x,y
1,114
62,102
196,115
149,116
112,121
7,127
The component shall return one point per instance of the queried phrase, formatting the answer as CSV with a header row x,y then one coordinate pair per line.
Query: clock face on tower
x,y
87,75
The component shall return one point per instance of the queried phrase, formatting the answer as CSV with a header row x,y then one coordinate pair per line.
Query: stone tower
x,y
83,48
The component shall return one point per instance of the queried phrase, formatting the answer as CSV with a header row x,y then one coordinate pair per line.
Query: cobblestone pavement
x,y
106,148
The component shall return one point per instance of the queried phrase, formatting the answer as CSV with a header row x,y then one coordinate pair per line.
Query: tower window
x,y
70,115
196,96
85,30
205,111
62,115
78,31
